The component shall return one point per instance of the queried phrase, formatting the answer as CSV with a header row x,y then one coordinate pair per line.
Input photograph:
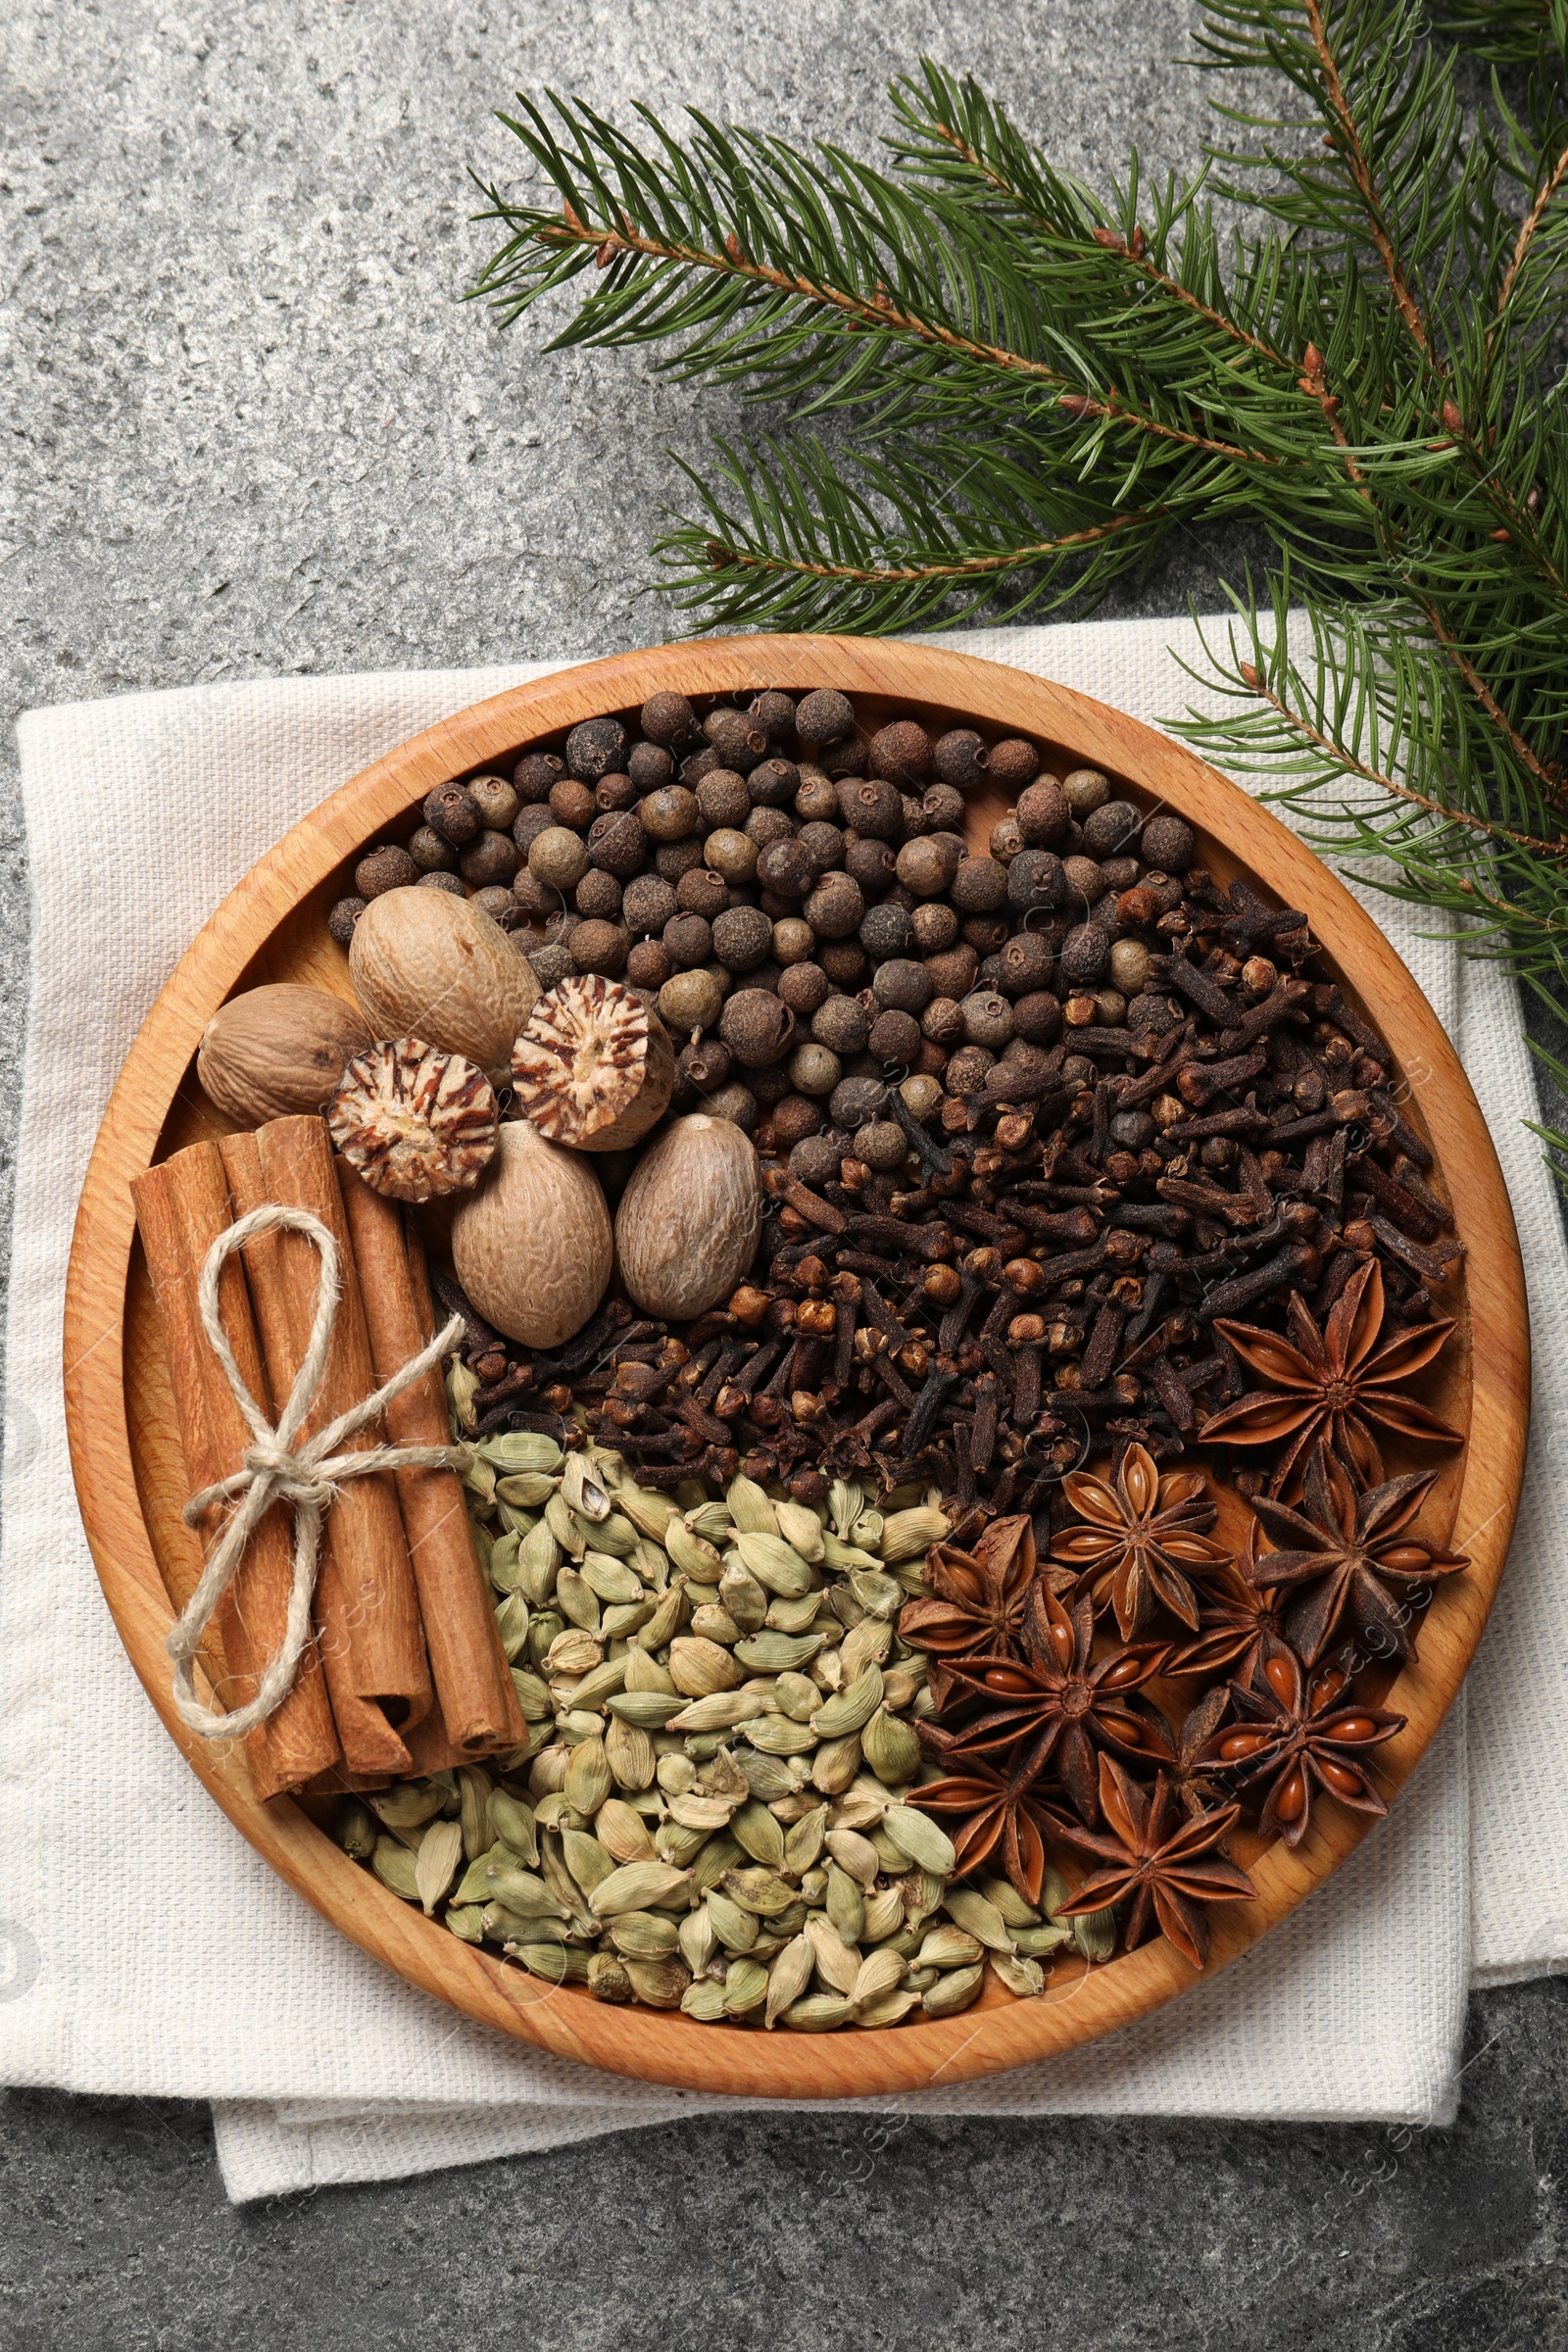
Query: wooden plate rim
x,y
646,2044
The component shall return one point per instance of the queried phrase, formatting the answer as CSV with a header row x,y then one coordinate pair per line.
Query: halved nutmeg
x,y
594,1068
413,1121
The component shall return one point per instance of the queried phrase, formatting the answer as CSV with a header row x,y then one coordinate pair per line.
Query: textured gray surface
x,y
251,431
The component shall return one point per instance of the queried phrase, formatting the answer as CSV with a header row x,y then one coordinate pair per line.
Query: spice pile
x,y
804,1171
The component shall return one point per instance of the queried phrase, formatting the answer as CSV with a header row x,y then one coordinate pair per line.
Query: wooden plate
x,y
127,1461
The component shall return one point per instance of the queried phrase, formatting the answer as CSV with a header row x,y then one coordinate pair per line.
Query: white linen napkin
x,y
193,1971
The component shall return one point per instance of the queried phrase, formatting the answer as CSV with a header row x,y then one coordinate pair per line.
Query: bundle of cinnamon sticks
x,y
406,1673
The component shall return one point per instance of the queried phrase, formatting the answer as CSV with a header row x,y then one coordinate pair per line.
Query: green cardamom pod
x,y
849,1710
704,2000
750,1508
354,1827
745,1985
953,1992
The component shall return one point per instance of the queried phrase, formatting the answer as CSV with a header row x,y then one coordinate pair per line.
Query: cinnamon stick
x,y
183,1205
366,1607
473,1681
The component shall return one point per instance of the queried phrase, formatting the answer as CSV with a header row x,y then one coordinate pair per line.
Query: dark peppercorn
x,y
453,811
872,806
1111,829
895,1037
722,798
844,962
1044,815
786,867
804,987
649,765
386,868
935,927
1024,963
1152,1015
960,758
757,1027
902,986
979,886
596,747
835,906
492,858
690,940
342,919
1014,764
447,882
824,717
535,775
1035,879
430,854
886,931
668,717
775,783
743,938
844,759
1168,843
840,1025
648,904
597,896
648,965
902,752
870,863
704,891
1085,953
571,803
738,740
671,813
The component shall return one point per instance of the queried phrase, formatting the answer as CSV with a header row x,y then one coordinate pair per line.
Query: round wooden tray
x,y
129,1478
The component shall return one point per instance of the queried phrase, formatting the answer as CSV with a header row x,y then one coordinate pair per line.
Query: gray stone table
x,y
250,430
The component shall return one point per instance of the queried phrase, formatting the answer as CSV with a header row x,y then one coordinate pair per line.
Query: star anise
x,y
1300,1734
1166,1861
1177,1752
1333,1382
1144,1530
1238,1615
994,1805
976,1603
1057,1706
1341,1553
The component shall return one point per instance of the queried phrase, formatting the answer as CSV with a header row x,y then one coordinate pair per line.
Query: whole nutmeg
x,y
690,1001
1168,843
987,1019
425,964
927,865
671,813
844,962
572,804
1025,965
647,903
1085,879
786,868
386,868
840,1023
794,1119
815,1070
979,886
617,844
497,801
895,1037
935,928
802,986
667,718
532,1246
648,765
773,784
1085,955
430,854
1085,790
870,863
342,919
960,758
278,1051
559,859
702,892
1044,815
968,1070
599,947
886,931
723,799
1006,839
1130,965
489,857
1014,764
881,1143
835,906
743,937
731,854
816,797
1035,879
1111,829
901,985
855,1101
453,811
737,739
649,965
535,776
593,1068
902,752
823,716
872,806
689,941
793,939
687,1226
596,748
942,1022
756,1026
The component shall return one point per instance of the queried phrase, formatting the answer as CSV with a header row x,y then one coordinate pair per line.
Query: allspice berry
x,y
902,752
872,806
1085,955
453,811
942,810
802,986
855,1101
823,716
649,965
1085,790
953,972
529,823
596,748
814,1070
794,1119
773,711
926,866
823,844
497,801
774,783
1035,879
846,757
1130,965
690,1001
1168,843
737,739
611,794
871,863
886,931
895,1037
342,919
842,961
667,718
534,776
596,946
1044,815
723,799
921,1096
902,986
881,1143
968,1070
572,804
671,813
648,904
673,858
935,927
979,886
1025,963
617,844
430,854
743,938
756,1026
1085,878
960,758
559,859
764,826
386,868
689,941
1111,829
987,1019
840,1022
941,1022
817,799
786,868
1014,764
835,906
597,896
648,765
489,857
1005,839
731,854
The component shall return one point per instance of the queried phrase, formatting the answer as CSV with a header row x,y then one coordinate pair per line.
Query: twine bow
x,y
279,1469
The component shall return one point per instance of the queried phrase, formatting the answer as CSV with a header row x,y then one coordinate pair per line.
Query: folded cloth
x,y
221,1983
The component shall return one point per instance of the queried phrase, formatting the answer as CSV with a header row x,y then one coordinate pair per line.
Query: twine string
x,y
279,1468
